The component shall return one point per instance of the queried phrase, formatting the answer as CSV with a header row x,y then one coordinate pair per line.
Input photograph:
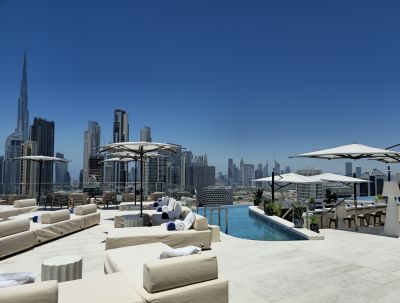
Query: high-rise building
x,y
29,170
145,134
265,170
287,170
96,167
277,168
308,191
258,172
247,174
60,170
1,175
90,145
358,171
12,168
42,131
120,134
230,170
187,158
23,113
349,169
203,176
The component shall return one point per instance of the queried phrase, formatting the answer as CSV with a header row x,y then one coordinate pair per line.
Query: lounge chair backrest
x,y
13,227
25,203
200,223
55,216
46,292
160,275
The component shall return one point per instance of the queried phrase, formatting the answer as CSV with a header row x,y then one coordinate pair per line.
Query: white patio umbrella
x,y
353,151
127,157
40,160
141,148
291,178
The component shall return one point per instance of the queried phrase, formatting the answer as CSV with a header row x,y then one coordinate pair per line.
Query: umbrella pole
x,y
273,187
355,200
135,178
141,184
40,181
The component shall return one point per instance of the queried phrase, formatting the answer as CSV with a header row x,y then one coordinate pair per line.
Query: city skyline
x,y
223,91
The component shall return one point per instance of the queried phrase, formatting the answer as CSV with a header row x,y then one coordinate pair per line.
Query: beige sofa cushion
x,y
200,223
160,275
55,216
122,237
25,203
13,227
15,243
99,289
47,232
41,292
85,209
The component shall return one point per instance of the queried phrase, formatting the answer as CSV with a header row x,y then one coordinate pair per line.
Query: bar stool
x,y
349,219
377,217
364,219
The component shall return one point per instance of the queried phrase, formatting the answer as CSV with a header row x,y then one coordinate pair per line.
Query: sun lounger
x,y
20,207
192,278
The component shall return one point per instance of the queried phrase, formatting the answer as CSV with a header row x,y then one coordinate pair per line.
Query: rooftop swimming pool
x,y
245,225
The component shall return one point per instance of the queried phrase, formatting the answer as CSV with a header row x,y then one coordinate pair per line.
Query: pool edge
x,y
302,232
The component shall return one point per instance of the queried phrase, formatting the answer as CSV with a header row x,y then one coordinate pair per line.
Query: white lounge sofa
x,y
192,278
198,235
87,290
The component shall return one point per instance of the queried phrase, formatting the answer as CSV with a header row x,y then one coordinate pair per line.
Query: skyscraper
x,y
42,131
29,170
120,134
277,168
1,175
230,169
15,140
145,134
349,169
23,113
265,170
61,169
358,171
90,144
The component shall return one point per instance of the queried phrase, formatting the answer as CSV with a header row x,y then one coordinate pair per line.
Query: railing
x,y
218,208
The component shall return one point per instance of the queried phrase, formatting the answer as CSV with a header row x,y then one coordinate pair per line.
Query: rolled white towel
x,y
183,251
165,209
180,225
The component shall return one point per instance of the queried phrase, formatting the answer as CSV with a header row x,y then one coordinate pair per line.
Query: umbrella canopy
x,y
141,148
291,178
351,151
42,159
329,177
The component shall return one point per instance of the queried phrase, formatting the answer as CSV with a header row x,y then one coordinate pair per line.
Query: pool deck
x,y
345,267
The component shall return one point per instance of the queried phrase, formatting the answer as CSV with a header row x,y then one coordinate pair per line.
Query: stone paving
x,y
345,267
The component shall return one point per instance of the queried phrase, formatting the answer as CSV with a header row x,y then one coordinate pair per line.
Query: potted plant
x,y
258,197
313,223
277,209
268,207
298,216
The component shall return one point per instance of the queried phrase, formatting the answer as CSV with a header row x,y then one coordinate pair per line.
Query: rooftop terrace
x,y
346,266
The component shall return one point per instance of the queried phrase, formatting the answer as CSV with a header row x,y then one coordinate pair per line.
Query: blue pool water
x,y
245,225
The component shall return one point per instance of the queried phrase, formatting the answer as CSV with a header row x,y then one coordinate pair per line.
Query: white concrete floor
x,y
345,267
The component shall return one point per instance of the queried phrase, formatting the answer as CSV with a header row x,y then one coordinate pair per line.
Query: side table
x,y
62,268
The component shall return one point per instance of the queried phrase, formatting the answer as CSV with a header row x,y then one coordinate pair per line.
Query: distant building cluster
x,y
244,175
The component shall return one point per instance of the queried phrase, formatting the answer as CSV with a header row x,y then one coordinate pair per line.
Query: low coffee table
x,y
62,268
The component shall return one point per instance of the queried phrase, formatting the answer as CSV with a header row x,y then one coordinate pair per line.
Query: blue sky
x,y
251,79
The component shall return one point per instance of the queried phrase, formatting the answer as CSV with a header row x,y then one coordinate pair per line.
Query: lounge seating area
x,y
21,232
151,276
191,278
